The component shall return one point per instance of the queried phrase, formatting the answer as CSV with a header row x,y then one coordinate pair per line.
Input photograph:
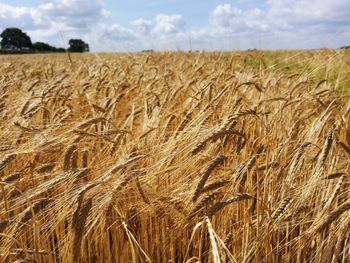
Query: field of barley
x,y
175,157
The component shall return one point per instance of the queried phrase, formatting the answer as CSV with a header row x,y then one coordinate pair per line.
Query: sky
x,y
136,25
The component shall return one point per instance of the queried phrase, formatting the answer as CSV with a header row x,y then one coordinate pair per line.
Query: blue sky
x,y
183,24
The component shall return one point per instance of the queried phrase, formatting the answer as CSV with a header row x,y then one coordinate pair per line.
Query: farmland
x,y
175,157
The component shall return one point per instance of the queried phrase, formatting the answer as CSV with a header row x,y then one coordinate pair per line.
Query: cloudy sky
x,y
132,25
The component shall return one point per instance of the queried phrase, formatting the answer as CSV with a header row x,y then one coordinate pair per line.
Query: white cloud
x,y
225,15
73,13
228,19
162,32
22,16
309,23
313,15
310,10
104,37
168,24
284,24
144,26
116,32
160,25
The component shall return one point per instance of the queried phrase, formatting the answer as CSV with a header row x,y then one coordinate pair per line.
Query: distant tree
x,y
78,45
41,46
15,39
61,49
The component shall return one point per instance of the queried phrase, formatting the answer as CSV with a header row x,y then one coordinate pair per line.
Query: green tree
x,y
41,46
44,47
15,38
78,45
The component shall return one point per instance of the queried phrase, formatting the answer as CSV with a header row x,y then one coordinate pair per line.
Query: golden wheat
x,y
175,157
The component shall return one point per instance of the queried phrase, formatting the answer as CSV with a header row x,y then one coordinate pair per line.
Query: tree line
x,y
14,39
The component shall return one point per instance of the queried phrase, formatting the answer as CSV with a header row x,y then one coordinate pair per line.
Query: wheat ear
x,y
205,173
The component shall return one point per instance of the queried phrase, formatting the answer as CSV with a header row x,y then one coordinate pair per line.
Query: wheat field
x,y
175,157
